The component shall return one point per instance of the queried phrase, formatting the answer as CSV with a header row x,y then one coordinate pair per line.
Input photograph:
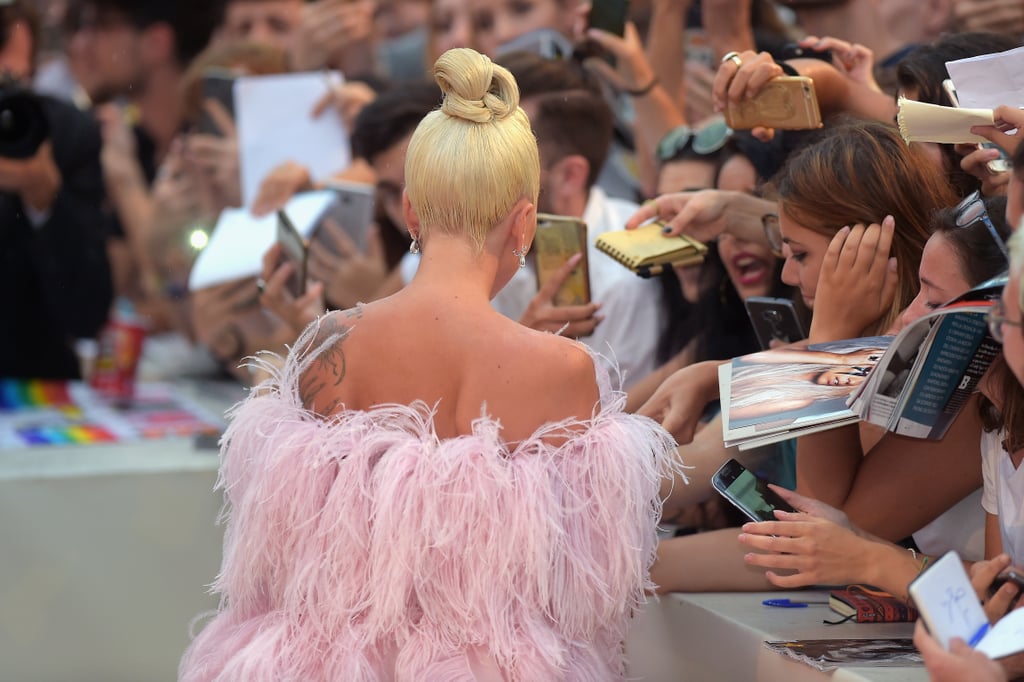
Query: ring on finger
x,y
733,57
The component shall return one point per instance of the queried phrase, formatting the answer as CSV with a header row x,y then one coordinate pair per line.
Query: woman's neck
x,y
453,269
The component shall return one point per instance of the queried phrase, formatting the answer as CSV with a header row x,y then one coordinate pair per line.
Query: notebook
x,y
646,249
862,604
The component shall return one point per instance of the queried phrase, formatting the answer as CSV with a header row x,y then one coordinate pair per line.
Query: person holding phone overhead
x,y
428,489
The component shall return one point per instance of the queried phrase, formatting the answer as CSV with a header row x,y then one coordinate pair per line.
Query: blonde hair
x,y
470,161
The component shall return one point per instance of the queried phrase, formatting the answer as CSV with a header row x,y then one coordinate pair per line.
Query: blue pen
x,y
978,636
789,604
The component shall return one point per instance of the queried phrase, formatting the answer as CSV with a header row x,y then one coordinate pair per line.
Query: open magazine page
x,y
932,368
776,394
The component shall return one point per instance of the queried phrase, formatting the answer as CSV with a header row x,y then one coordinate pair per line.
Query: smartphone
x,y
775,319
293,250
784,102
1010,575
609,15
750,494
219,85
795,51
558,239
353,210
1000,165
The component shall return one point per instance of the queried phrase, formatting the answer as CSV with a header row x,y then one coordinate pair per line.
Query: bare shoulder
x,y
320,385
565,371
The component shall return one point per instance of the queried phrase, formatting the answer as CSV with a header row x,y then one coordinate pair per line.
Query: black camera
x,y
23,123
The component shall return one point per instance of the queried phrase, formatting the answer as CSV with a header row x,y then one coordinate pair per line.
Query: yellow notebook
x,y
644,249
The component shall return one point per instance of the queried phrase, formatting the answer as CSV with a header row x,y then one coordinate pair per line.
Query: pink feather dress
x,y
363,547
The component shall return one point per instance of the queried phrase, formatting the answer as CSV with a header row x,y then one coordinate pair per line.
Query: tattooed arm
x,y
320,383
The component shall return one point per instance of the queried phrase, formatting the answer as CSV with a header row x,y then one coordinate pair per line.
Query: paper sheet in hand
x,y
239,240
276,124
921,122
989,80
950,608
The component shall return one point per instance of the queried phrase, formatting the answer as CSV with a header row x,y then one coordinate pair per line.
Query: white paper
x,y
947,601
989,80
239,240
923,122
276,124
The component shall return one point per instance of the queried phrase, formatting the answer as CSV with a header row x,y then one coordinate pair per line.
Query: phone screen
x,y
293,250
749,493
218,85
609,15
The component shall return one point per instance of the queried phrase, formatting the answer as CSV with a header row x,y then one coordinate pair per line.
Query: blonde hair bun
x,y
475,88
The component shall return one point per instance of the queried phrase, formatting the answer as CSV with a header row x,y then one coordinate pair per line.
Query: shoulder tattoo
x,y
327,371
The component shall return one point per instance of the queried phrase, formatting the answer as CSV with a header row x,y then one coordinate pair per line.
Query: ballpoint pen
x,y
790,604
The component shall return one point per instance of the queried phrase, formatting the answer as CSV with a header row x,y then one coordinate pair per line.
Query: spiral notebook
x,y
646,250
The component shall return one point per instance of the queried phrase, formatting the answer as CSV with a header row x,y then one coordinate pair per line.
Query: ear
x,y
567,183
158,44
571,172
412,221
524,223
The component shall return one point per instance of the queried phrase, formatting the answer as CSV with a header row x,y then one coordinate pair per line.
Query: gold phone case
x,y
786,102
558,239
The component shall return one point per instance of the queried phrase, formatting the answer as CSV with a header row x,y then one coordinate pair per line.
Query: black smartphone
x,y
218,85
609,15
293,250
1010,575
352,210
775,319
795,51
750,494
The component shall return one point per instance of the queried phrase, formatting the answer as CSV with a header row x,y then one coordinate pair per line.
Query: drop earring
x,y
521,254
414,246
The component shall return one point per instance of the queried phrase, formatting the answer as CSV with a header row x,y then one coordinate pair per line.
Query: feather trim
x,y
365,547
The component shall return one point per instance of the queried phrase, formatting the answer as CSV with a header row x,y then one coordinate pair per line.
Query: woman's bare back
x,y
461,359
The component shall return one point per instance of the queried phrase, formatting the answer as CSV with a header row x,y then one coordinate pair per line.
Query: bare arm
x,y
706,562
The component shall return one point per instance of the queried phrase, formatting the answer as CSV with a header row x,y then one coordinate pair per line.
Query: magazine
x,y
829,654
932,367
794,390
913,384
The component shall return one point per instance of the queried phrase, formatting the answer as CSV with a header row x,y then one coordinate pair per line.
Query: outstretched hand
x,y
857,284
574,321
297,313
817,543
700,215
1006,130
680,400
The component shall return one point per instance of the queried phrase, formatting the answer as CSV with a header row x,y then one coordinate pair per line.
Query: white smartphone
x,y
750,494
1000,165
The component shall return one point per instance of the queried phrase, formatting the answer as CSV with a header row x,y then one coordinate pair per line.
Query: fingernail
x,y
888,221
845,229
666,229
575,258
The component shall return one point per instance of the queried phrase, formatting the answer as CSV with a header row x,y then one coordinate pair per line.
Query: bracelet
x,y
640,92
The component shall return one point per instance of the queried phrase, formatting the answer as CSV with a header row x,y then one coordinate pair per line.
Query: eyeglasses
x,y
971,210
773,233
996,318
707,140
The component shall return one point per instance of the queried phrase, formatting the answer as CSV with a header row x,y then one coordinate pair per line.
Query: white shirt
x,y
1004,493
631,305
